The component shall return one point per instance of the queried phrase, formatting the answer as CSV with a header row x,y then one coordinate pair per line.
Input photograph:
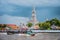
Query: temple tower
x,y
33,17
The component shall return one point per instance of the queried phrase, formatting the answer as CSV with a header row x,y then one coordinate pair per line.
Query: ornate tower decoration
x,y
33,18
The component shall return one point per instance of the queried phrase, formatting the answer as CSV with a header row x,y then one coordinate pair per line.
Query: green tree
x,y
0,26
44,26
47,24
29,24
4,25
55,21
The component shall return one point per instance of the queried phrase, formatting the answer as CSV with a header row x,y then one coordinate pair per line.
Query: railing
x,y
45,31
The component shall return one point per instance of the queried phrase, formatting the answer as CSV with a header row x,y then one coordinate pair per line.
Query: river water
x,y
39,36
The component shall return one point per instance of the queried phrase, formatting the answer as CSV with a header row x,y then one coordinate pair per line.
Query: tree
x,y
47,24
55,21
44,26
0,26
29,24
4,25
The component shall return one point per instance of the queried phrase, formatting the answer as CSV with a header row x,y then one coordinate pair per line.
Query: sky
x,y
16,11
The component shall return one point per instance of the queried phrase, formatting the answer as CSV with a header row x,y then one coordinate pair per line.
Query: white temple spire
x,y
33,17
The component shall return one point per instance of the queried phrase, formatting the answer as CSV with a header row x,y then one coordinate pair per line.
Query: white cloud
x,y
34,2
6,19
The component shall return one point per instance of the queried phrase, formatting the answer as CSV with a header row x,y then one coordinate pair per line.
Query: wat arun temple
x,y
33,20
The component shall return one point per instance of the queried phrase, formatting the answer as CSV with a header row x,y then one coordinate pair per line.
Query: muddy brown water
x,y
39,36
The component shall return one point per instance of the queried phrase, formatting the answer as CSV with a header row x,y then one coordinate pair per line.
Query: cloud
x,y
6,19
34,2
23,8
